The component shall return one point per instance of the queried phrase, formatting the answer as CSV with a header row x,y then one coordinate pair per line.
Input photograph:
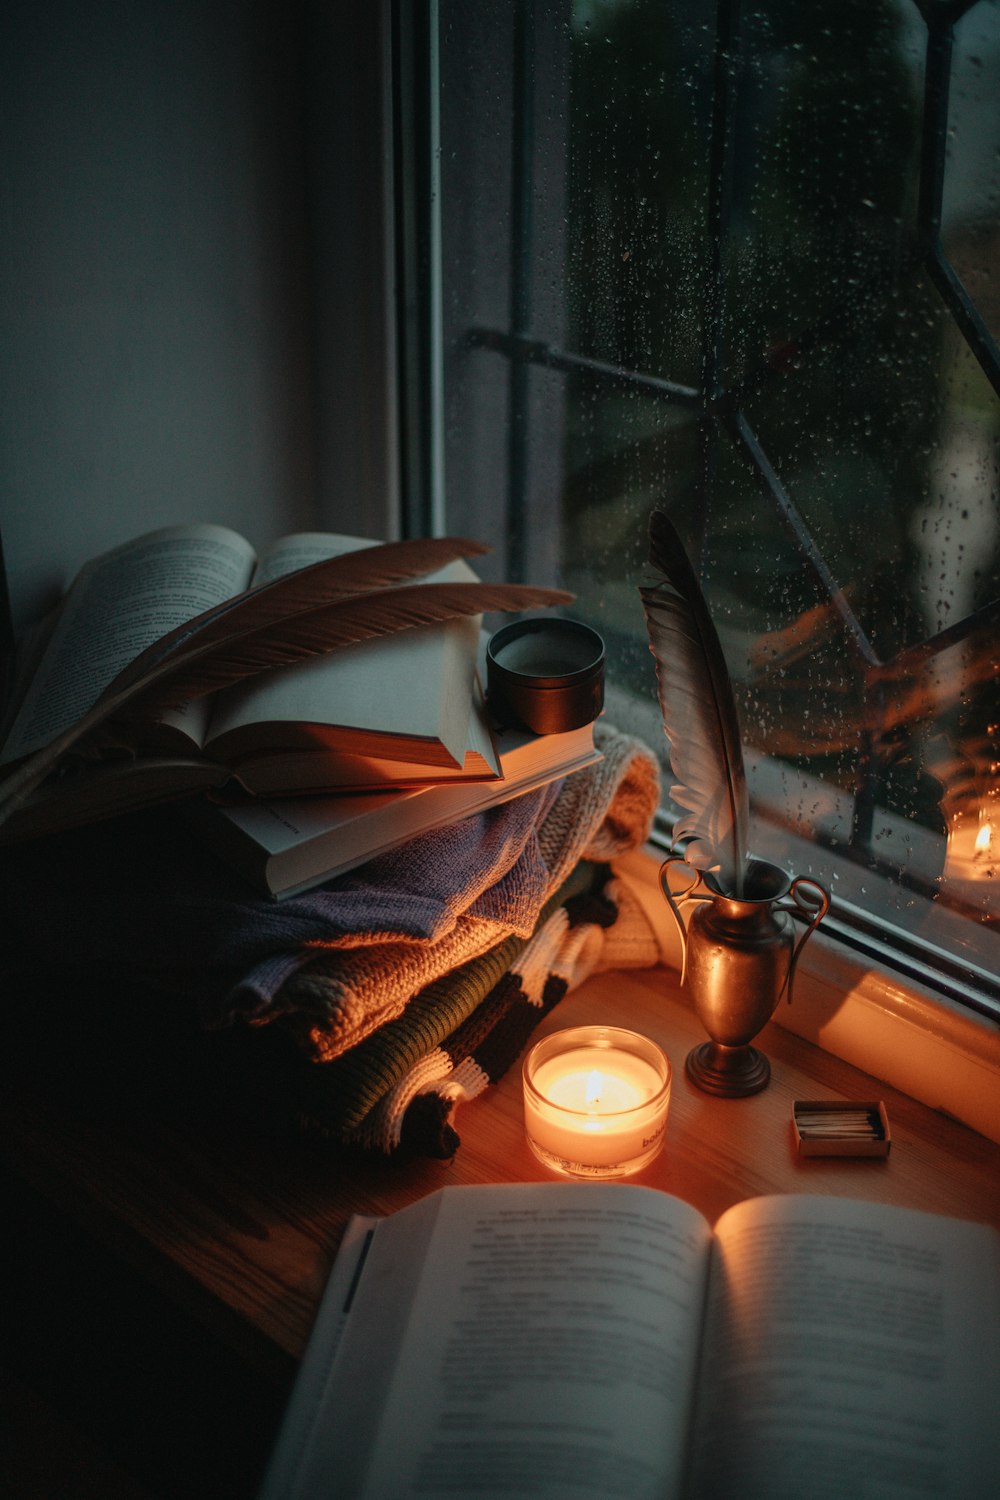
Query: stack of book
x,y
296,773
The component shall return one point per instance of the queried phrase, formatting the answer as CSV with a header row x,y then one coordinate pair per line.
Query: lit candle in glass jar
x,y
595,1101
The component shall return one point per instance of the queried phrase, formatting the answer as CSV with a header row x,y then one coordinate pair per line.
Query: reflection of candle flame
x,y
595,1082
973,849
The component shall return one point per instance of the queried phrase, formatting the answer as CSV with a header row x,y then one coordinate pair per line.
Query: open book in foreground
x,y
284,846
581,1340
394,710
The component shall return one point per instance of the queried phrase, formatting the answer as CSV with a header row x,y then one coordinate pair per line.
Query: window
x,y
741,262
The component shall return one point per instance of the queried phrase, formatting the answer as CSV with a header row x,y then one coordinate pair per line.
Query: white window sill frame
x,y
913,1039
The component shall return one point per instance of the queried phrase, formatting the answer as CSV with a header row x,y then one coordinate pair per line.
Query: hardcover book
x,y
286,845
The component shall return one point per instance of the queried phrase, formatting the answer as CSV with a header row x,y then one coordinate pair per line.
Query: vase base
x,y
731,1072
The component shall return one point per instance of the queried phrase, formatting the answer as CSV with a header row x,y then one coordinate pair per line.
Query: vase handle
x,y
810,897
675,903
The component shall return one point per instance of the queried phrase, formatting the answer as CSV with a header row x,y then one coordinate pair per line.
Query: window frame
x,y
864,943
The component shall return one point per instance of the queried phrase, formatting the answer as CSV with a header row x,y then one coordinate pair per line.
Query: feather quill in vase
x,y
699,713
337,602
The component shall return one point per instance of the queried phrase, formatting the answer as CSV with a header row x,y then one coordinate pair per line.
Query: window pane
x,y
719,291
637,168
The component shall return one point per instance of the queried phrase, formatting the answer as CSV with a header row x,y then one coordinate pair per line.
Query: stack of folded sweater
x,y
400,989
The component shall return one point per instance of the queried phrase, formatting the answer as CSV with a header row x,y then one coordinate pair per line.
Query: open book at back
x,y
333,722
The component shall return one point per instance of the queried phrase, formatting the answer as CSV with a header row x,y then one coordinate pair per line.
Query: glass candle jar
x,y
595,1101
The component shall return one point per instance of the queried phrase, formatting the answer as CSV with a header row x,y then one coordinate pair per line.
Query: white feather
x,y
699,714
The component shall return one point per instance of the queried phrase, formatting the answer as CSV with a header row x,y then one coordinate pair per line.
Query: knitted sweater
x,y
347,990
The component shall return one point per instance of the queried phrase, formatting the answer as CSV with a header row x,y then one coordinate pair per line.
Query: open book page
x,y
850,1350
120,603
417,683
300,549
551,1333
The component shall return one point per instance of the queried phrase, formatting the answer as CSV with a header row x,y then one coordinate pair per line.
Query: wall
x,y
181,198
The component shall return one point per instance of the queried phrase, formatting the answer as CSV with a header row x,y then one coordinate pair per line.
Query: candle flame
x,y
595,1085
984,838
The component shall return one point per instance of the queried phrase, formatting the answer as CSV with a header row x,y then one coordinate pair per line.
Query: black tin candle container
x,y
546,674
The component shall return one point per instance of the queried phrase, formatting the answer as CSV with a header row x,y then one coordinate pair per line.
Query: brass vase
x,y
739,960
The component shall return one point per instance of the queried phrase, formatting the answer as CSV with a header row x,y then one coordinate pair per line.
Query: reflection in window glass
x,y
720,291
